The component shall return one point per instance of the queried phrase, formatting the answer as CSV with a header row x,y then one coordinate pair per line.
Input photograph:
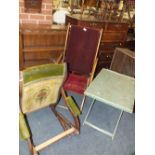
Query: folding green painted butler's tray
x,y
114,89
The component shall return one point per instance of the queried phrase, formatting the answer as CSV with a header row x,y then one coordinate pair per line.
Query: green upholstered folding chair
x,y
39,88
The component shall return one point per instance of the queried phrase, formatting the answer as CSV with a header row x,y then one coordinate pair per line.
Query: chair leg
x,y
31,147
82,104
64,95
66,124
65,120
76,124
76,119
35,152
63,124
30,142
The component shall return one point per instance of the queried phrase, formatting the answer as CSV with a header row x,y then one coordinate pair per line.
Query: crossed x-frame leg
x,y
100,129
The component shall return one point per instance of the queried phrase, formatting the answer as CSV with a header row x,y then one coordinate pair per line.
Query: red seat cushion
x,y
76,83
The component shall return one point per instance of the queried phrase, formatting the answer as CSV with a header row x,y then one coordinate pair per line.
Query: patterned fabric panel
x,y
40,94
41,86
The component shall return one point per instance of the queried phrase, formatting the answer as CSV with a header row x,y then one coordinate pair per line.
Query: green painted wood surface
x,y
114,89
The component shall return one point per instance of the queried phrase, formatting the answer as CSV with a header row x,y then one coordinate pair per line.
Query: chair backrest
x,y
41,85
81,48
123,61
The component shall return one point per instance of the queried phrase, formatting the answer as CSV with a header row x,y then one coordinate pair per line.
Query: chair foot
x,y
77,132
35,152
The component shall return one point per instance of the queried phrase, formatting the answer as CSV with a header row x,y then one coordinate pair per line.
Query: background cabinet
x,y
44,44
40,44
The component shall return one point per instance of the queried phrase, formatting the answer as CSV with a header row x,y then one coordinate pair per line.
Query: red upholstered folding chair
x,y
80,54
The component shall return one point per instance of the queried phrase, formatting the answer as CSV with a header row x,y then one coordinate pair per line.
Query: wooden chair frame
x,y
68,127
61,59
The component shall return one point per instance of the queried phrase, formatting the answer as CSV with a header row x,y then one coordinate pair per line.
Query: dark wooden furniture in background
x,y
44,44
40,44
123,62
114,35
130,41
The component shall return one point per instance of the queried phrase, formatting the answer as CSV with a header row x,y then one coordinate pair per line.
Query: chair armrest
x,y
72,106
23,128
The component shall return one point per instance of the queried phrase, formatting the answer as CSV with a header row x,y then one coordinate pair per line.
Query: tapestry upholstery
x,y
41,86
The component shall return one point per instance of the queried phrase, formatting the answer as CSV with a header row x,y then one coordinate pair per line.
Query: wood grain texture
x,y
40,44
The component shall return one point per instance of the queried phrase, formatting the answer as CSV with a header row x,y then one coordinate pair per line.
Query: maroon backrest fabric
x,y
81,48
